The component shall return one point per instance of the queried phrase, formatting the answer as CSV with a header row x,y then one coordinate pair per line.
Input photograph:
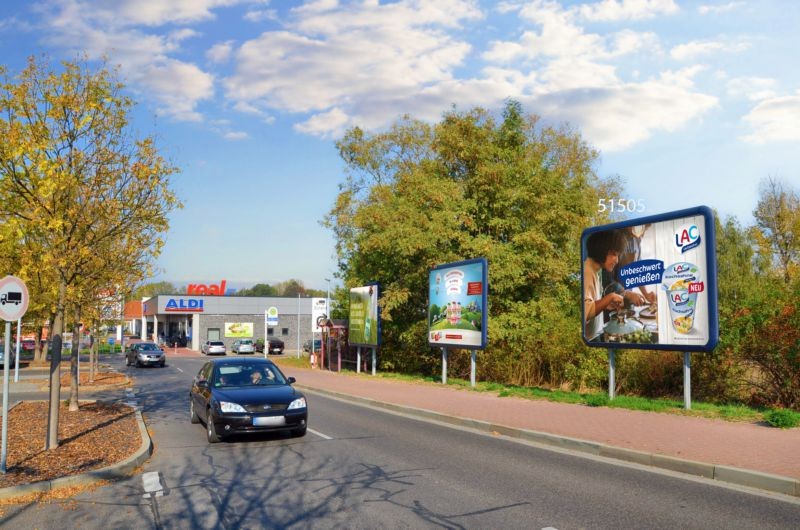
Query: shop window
x,y
285,332
270,332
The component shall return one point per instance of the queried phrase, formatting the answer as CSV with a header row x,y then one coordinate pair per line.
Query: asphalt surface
x,y
362,467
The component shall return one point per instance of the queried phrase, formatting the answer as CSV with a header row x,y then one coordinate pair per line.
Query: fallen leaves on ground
x,y
95,436
100,379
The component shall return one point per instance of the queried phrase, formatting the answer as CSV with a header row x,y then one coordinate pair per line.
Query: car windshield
x,y
216,343
247,374
148,347
246,342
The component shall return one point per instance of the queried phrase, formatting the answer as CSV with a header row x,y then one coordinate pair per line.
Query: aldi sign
x,y
184,305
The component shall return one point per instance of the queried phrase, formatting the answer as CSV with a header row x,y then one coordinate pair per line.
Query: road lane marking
x,y
325,436
178,369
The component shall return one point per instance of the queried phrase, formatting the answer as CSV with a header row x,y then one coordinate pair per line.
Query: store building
x,y
198,318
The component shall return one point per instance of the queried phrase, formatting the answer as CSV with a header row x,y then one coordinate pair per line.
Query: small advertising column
x,y
13,305
651,283
457,311
365,322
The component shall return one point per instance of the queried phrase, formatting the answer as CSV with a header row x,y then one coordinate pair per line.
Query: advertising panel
x,y
650,283
239,330
457,312
365,323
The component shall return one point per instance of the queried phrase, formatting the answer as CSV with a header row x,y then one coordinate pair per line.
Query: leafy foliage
x,y
515,191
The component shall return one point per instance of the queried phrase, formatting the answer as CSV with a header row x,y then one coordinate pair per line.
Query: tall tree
x,y
515,191
74,179
778,222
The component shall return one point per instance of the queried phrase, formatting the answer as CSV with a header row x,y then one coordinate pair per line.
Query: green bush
x,y
783,418
597,400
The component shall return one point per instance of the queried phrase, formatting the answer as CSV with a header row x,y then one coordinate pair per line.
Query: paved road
x,y
363,468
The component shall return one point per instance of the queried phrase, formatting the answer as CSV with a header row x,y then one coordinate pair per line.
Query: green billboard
x,y
364,317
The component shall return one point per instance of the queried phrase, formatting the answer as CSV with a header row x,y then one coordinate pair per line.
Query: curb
x,y
720,473
114,471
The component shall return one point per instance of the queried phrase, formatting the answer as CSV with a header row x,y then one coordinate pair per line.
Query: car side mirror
x,y
292,380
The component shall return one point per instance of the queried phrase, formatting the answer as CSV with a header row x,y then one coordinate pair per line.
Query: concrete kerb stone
x,y
113,472
731,475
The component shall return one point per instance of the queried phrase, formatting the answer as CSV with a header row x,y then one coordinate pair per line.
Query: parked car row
x,y
240,346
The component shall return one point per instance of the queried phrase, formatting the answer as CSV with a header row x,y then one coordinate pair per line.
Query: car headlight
x,y
227,406
299,403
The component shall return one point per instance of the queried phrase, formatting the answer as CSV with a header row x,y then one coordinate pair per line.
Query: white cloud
x,y
693,49
220,52
775,120
328,124
236,135
329,59
261,15
753,88
719,8
146,63
616,10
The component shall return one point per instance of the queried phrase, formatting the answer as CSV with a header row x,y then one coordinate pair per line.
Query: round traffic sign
x,y
13,298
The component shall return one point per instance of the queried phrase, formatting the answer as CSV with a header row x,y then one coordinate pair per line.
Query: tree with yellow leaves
x,y
77,188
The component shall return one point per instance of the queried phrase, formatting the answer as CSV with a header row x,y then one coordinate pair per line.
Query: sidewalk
x,y
729,451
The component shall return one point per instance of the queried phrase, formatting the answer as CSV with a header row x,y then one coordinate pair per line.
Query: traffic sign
x,y
13,298
272,316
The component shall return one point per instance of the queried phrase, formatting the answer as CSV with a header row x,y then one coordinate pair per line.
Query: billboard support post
x,y
358,359
612,369
472,370
374,351
444,366
687,380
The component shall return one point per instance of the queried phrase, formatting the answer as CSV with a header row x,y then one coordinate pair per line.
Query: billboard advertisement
x,y
457,312
651,283
239,330
365,323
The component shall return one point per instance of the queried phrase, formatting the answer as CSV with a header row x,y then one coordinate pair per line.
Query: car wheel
x,y
211,431
163,364
138,364
300,432
193,417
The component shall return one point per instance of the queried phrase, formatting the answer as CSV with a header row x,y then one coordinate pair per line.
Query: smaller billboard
x,y
457,312
651,283
365,324
239,330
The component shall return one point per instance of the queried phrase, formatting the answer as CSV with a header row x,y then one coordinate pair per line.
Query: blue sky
x,y
689,102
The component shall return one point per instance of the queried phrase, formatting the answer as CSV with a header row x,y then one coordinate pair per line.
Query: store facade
x,y
198,318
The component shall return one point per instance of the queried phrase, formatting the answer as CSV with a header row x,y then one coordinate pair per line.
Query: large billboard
x,y
651,283
457,312
365,324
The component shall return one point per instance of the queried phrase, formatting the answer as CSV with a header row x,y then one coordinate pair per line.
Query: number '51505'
x,y
620,205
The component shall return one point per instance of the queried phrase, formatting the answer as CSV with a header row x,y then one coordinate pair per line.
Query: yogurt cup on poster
x,y
682,301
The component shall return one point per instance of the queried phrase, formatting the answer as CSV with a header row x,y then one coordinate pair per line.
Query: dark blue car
x,y
246,395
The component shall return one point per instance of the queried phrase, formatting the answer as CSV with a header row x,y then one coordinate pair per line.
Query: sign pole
x,y
374,351
472,370
687,380
612,368
444,366
358,359
16,363
298,325
5,398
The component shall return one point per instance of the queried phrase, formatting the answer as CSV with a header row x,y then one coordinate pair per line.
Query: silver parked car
x,y
243,346
213,347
